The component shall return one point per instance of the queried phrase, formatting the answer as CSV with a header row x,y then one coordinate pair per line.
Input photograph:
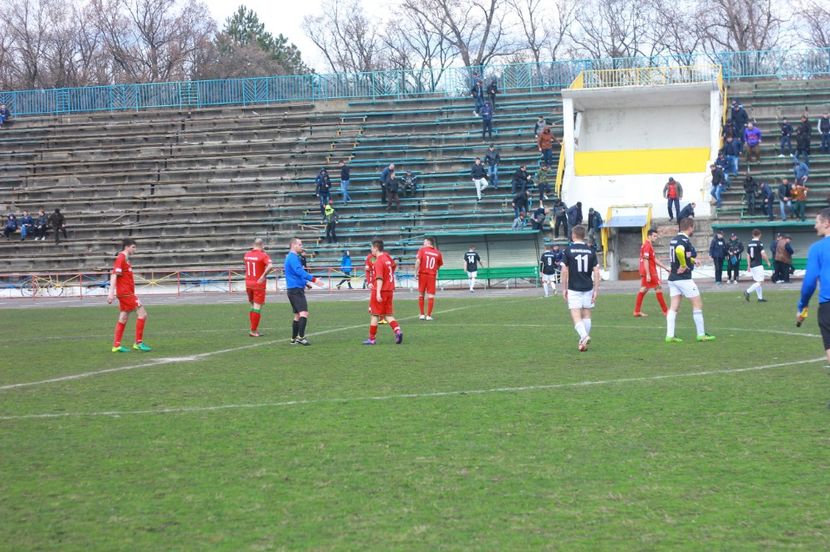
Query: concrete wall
x,y
645,127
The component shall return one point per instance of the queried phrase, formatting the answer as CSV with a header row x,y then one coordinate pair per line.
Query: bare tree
x,y
817,17
613,28
677,28
535,26
30,24
564,17
741,25
345,36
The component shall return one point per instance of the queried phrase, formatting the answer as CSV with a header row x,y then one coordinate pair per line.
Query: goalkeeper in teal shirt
x,y
818,272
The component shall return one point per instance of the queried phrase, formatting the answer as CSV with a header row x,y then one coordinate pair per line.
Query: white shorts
x,y
757,273
548,278
580,299
471,274
686,288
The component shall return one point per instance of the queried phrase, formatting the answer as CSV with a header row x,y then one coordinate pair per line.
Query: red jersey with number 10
x,y
648,264
124,283
256,261
431,261
385,270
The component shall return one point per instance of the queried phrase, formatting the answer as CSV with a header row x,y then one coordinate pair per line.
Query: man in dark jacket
x,y
732,152
323,190
492,90
673,192
393,186
58,223
486,113
477,92
739,119
718,183
479,177
384,176
783,256
803,135
784,199
537,221
734,250
345,178
786,138
520,199
594,225
492,159
718,250
823,128
750,189
560,218
575,215
521,180
768,199
686,212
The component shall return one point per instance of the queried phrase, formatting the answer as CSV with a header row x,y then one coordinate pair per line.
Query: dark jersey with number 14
x,y
580,260
471,259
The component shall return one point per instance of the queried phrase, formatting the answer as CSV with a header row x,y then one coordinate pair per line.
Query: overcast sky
x,y
286,17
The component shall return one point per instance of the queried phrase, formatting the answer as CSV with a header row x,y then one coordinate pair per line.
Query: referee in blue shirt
x,y
818,271
296,279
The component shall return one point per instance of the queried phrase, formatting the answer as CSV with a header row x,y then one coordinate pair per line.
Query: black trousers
x,y
732,270
718,270
331,233
561,220
383,195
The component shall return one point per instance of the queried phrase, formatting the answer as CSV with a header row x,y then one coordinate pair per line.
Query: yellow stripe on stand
x,y
651,161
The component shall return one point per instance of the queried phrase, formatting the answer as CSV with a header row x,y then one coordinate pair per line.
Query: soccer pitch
x,y
486,429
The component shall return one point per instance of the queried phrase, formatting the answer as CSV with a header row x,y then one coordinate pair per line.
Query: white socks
x,y
580,329
472,283
545,285
587,323
698,318
756,287
671,318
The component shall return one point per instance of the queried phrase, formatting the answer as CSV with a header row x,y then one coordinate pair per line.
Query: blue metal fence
x,y
781,64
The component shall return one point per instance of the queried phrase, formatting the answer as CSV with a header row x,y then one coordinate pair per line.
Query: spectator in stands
x,y
594,224
673,192
410,184
560,218
717,251
477,92
345,179
823,128
686,212
492,159
801,170
740,118
521,180
58,223
727,130
5,115
384,176
799,197
479,177
537,221
27,225
732,152
492,90
750,191
539,127
723,164
393,188
545,143
802,140
520,222
575,215
486,121
323,191
544,181
784,198
41,225
734,250
520,199
346,269
11,226
783,259
752,139
786,138
767,199
331,222
718,182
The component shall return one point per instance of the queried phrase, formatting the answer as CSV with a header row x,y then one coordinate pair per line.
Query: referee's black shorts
x,y
296,296
824,323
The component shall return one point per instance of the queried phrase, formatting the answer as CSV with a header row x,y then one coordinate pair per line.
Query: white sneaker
x,y
583,343
422,317
428,319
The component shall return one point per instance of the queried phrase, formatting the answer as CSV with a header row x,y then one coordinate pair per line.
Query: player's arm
x,y
563,278
680,255
111,294
597,279
808,286
765,257
417,265
268,270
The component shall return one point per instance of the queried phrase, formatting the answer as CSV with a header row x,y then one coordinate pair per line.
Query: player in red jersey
x,y
648,275
122,285
257,267
427,263
383,294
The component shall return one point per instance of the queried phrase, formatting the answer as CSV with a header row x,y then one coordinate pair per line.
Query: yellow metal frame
x,y
605,232
578,83
649,76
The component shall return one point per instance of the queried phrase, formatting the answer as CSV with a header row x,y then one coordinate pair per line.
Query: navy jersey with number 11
x,y
580,260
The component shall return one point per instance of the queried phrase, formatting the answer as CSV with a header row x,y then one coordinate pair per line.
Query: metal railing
x,y
455,81
650,76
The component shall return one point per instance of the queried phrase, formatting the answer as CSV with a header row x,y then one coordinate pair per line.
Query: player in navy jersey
x,y
580,282
549,266
681,284
471,262
756,257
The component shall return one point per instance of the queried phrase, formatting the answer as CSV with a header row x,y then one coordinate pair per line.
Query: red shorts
x,y
655,282
426,283
256,296
128,303
384,306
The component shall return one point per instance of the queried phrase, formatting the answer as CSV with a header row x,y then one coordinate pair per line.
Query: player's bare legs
x,y
255,316
430,305
582,323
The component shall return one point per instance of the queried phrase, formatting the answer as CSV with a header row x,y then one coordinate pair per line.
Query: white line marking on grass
x,y
427,395
191,358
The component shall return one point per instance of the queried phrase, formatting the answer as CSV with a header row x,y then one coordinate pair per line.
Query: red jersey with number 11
x,y
385,269
256,261
431,261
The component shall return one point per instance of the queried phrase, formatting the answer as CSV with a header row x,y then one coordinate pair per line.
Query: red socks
x,y
139,329
639,304
421,304
395,326
662,302
373,331
119,333
430,303
255,316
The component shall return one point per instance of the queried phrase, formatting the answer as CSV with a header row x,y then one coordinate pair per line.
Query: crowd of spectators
x,y
35,227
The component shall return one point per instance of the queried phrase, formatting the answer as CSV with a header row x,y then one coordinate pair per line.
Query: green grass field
x,y
485,430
